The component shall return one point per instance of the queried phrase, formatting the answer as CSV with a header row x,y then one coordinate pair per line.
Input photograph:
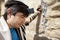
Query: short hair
x,y
10,3
17,6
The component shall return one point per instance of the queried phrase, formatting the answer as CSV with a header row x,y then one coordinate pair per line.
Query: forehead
x,y
19,14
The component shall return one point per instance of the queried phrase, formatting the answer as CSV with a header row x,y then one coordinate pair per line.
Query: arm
x,y
30,19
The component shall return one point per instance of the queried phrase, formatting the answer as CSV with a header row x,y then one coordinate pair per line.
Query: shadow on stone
x,y
40,38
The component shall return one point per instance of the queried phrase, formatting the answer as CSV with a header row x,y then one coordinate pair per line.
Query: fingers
x,y
39,8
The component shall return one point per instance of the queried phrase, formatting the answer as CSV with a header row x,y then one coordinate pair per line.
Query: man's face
x,y
17,20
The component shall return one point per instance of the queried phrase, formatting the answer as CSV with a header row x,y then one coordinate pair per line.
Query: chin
x,y
16,27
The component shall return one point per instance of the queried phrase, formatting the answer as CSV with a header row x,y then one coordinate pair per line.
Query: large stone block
x,y
53,20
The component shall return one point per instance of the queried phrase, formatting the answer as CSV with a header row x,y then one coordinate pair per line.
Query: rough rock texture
x,y
53,17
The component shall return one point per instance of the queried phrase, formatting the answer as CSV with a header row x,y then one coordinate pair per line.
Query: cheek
x,y
18,21
14,21
21,21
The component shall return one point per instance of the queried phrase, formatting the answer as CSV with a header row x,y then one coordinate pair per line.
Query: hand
x,y
39,9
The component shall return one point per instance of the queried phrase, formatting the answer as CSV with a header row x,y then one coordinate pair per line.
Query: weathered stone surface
x,y
53,23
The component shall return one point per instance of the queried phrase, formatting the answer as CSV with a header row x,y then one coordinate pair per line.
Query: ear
x,y
8,13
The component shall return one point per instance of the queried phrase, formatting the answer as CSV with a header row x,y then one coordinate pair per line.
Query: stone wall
x,y
53,17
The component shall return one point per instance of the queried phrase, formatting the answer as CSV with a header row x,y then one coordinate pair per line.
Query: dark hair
x,y
5,16
17,6
11,3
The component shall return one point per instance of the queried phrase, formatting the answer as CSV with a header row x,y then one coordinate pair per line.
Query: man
x,y
14,17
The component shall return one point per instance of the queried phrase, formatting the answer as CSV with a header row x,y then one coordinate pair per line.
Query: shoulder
x,y
3,24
